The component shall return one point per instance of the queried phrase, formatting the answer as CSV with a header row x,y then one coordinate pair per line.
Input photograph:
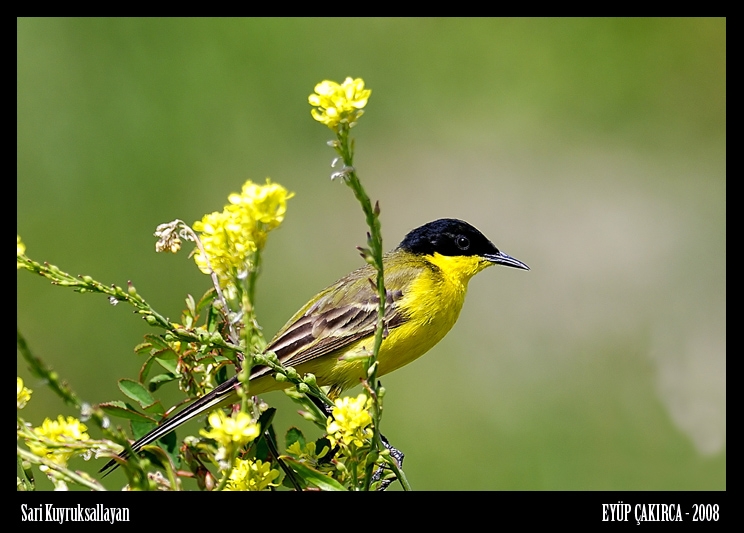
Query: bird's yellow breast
x,y
431,304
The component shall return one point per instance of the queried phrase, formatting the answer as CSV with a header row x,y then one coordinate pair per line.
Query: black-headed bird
x,y
426,278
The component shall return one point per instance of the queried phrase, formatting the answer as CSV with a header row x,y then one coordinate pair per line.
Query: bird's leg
x,y
396,454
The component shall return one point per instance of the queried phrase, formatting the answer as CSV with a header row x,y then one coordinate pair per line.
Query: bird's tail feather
x,y
221,395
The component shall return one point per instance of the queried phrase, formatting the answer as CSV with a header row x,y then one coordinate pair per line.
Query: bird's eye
x,y
462,242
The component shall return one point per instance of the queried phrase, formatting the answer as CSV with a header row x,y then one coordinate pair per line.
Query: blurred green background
x,y
592,149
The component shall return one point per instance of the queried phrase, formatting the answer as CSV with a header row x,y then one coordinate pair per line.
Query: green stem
x,y
374,255
68,474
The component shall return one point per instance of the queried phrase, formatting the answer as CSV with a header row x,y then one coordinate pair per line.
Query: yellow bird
x,y
426,278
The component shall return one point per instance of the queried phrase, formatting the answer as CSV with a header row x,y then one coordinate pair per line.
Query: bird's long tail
x,y
222,395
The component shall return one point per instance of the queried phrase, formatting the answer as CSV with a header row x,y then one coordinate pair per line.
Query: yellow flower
x,y
230,238
252,475
228,248
20,249
231,432
62,432
24,394
351,424
267,203
339,104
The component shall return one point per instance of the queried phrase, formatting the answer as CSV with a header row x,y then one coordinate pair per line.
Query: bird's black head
x,y
447,236
452,237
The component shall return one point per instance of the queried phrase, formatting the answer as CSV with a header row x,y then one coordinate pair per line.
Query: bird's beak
x,y
500,258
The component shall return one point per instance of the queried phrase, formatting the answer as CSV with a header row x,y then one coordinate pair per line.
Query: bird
x,y
426,279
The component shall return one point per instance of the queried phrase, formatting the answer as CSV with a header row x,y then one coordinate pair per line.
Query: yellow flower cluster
x,y
62,431
24,394
339,104
231,432
231,237
252,475
351,424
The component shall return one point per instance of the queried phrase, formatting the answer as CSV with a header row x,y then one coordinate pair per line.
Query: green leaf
x,y
312,476
169,361
122,410
161,379
140,428
143,348
221,375
145,369
159,356
294,435
136,391
191,304
206,299
190,314
155,409
213,319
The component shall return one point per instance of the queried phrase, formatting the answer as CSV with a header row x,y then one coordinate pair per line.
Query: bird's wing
x,y
337,318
